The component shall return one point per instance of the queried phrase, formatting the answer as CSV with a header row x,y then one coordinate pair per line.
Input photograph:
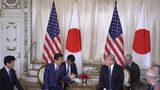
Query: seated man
x,y
111,75
133,68
55,73
70,67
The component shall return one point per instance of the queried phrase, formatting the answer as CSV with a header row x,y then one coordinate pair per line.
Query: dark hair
x,y
71,58
57,56
9,59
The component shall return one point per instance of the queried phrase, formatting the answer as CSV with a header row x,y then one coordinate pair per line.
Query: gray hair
x,y
128,57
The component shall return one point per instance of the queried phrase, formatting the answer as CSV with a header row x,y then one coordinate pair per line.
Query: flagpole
x,y
115,3
74,3
53,1
74,6
142,2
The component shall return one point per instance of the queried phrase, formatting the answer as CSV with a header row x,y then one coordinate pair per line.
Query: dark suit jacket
x,y
135,72
116,81
73,68
51,81
5,83
73,71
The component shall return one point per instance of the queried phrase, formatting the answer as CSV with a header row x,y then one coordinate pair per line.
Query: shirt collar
x,y
7,69
55,65
130,64
112,67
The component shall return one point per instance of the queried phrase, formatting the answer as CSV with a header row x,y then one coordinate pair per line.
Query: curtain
x,y
95,18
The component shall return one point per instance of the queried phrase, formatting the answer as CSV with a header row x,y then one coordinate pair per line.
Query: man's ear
x,y
112,61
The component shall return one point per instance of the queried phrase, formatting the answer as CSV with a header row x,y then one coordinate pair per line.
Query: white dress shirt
x,y
112,68
7,70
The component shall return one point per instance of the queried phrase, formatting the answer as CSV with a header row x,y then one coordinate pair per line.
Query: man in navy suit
x,y
133,68
70,68
55,73
8,78
111,75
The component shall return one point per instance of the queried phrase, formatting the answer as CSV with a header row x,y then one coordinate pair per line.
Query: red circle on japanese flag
x,y
73,43
141,43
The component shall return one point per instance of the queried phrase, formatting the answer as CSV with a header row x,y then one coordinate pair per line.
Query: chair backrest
x,y
127,77
41,74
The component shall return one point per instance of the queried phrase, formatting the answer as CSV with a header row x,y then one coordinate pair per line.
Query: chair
x,y
40,75
127,78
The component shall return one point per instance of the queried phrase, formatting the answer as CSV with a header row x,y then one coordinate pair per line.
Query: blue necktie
x,y
57,69
110,77
10,75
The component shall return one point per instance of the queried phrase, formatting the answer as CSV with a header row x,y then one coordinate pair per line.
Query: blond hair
x,y
109,56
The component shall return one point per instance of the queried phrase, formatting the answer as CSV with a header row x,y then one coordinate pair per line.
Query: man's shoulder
x,y
13,70
2,69
49,65
118,66
73,64
103,67
135,64
63,62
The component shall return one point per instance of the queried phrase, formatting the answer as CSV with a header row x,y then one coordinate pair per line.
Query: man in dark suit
x,y
70,68
55,73
8,78
111,75
133,68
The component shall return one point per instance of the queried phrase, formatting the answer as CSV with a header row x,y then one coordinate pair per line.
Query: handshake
x,y
72,76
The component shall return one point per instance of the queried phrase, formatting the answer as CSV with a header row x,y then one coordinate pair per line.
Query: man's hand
x,y
72,76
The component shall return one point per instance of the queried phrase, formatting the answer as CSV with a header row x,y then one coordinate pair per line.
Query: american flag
x,y
52,43
114,42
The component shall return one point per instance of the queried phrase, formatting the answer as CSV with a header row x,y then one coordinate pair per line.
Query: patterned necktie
x,y
110,77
